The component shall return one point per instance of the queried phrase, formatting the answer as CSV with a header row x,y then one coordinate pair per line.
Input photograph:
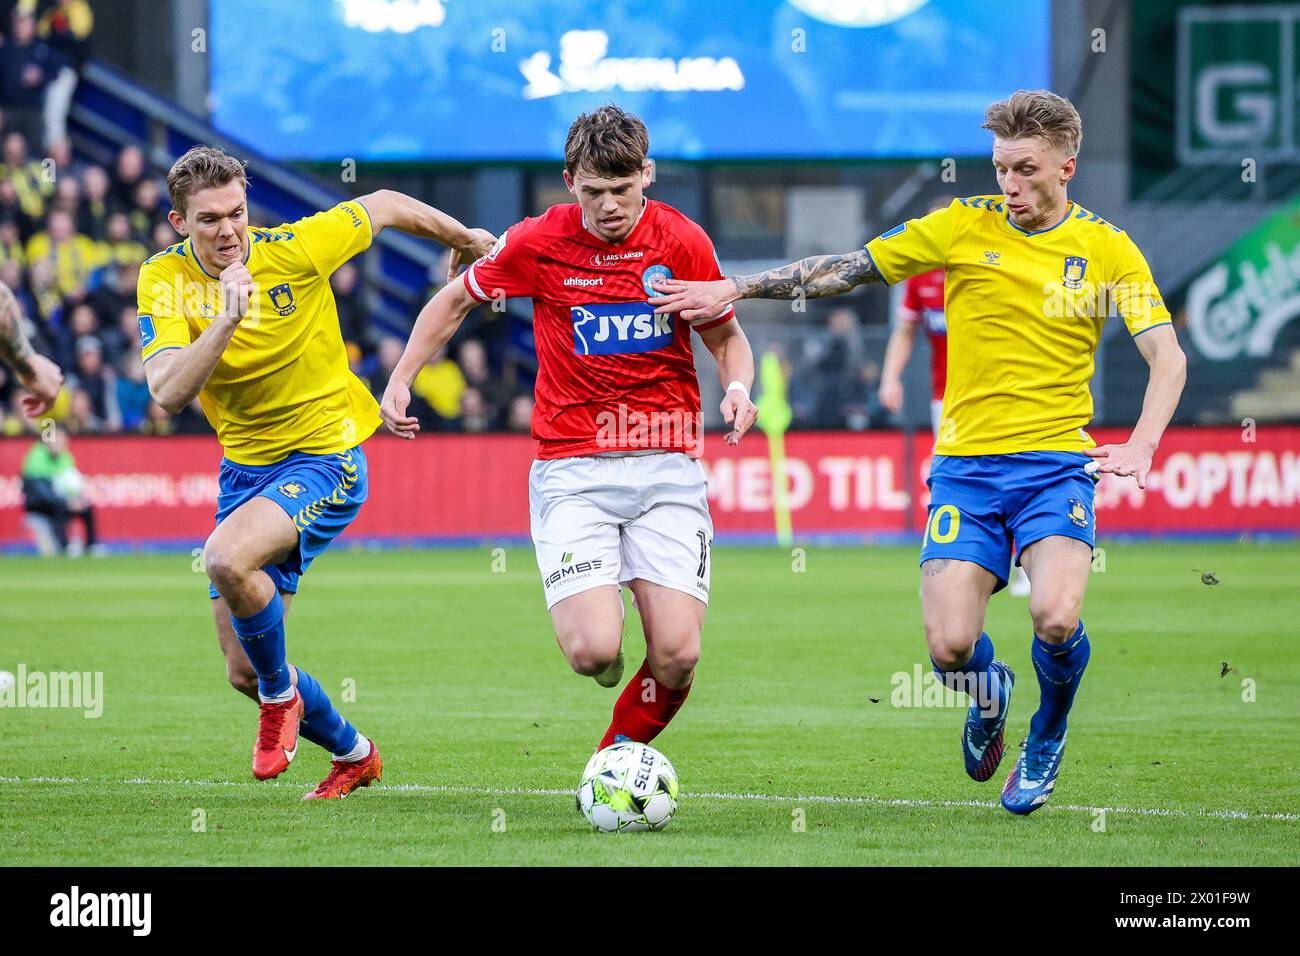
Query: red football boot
x,y
345,776
277,737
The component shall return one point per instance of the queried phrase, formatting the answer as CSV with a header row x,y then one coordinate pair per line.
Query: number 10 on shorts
x,y
943,524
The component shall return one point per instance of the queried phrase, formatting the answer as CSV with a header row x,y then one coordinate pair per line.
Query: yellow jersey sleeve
x,y
915,246
159,309
332,237
1134,291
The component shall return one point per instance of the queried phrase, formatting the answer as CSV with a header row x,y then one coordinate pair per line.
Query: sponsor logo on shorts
x,y
571,570
619,328
1078,513
291,489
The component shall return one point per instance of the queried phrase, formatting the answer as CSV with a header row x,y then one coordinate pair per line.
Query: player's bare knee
x,y
224,567
589,653
1055,624
949,646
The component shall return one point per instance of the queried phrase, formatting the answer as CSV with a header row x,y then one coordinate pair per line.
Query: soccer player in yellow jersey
x,y
244,319
1031,276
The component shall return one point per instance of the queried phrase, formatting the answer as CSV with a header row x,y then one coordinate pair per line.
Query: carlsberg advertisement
x,y
1237,306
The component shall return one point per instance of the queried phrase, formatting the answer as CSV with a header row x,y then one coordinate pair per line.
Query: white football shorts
x,y
609,519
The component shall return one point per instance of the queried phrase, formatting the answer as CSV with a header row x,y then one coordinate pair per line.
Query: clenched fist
x,y
236,291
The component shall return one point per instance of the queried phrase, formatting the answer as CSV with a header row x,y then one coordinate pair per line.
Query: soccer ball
x,y
628,786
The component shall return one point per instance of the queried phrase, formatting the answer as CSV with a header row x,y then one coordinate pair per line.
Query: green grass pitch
x,y
790,750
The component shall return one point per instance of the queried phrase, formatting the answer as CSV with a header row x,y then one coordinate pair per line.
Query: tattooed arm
x,y
809,278
39,375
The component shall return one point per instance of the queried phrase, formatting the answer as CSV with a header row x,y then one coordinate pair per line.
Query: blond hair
x,y
202,167
1038,113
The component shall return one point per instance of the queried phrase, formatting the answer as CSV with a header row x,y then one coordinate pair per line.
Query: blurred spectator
x,y
127,173
98,381
66,28
161,236
146,212
27,67
81,418
115,293
133,399
92,217
42,283
836,371
440,383
352,317
31,185
73,256
12,211
54,494
121,248
473,358
67,195
157,421
474,415
520,417
11,245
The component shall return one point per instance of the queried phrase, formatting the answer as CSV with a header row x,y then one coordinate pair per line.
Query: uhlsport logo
x,y
1075,267
619,328
570,569
282,299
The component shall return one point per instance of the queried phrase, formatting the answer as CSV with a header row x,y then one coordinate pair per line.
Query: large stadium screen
x,y
471,80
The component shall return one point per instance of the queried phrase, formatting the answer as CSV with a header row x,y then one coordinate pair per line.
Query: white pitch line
x,y
758,797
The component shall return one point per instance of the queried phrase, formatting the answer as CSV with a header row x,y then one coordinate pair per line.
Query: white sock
x,y
360,750
279,698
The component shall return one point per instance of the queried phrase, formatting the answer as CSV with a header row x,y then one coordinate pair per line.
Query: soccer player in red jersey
x,y
617,493
922,303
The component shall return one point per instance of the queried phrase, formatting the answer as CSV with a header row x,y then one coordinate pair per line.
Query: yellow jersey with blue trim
x,y
282,385
1024,313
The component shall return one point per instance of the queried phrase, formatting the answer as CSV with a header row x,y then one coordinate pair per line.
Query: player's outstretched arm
x,y
897,351
1159,346
809,278
387,207
735,358
39,375
437,323
176,376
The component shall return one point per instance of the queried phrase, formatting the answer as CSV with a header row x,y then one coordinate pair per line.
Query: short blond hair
x,y
1038,113
202,167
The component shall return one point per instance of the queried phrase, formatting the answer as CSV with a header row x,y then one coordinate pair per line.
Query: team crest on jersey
x,y
619,328
282,299
1078,513
1075,267
656,271
291,489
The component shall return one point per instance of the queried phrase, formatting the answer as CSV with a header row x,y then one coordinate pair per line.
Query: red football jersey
x,y
612,375
923,302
